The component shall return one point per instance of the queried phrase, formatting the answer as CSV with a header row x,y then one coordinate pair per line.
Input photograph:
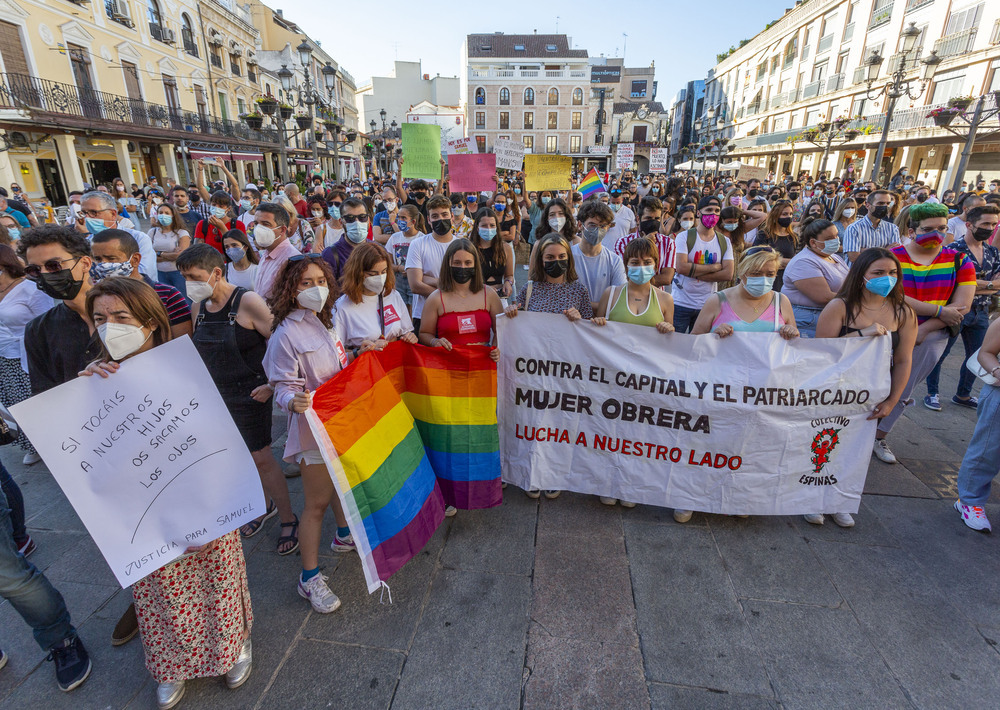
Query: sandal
x,y
294,537
254,526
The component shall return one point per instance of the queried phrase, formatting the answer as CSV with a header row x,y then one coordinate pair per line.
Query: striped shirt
x,y
178,310
665,245
935,282
861,234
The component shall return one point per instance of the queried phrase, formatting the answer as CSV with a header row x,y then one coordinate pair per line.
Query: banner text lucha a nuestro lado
x,y
750,424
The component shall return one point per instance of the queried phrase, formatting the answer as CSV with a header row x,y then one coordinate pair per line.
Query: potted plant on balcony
x,y
960,102
253,119
285,111
267,104
945,115
850,135
841,121
811,134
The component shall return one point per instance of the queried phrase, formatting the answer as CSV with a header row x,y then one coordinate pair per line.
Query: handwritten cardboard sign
x,y
625,156
472,173
421,151
149,458
547,172
463,146
751,172
510,153
658,160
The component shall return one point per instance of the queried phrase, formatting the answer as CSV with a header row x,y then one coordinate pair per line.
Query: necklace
x,y
11,285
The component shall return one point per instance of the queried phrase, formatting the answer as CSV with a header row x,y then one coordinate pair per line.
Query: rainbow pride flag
x,y
591,185
405,432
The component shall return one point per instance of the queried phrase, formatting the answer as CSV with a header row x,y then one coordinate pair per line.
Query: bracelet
x,y
995,369
938,314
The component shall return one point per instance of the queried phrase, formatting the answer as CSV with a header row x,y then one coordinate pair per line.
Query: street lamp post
x,y
824,135
898,85
308,93
979,115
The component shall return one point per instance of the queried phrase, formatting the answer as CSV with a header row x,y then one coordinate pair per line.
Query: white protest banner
x,y
751,172
625,156
510,153
149,458
460,146
658,160
750,424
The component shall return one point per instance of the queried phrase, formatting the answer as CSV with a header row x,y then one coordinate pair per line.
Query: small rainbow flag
x,y
591,185
404,432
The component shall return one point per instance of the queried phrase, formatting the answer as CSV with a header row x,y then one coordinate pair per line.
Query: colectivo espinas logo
x,y
822,448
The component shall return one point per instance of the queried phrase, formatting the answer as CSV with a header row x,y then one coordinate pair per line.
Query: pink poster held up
x,y
472,173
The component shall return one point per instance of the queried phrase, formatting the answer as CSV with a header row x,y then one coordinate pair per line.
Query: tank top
x,y
621,313
493,273
894,334
465,327
767,322
233,354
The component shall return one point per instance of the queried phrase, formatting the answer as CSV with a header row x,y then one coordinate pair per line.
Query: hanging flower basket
x,y
841,122
823,127
944,116
253,121
330,124
267,104
285,111
850,135
303,121
960,102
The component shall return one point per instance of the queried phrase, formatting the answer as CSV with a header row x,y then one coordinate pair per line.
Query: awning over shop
x,y
305,161
249,157
201,153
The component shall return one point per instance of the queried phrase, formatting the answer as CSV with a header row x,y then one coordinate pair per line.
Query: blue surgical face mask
x,y
218,212
641,274
357,232
517,191
487,233
95,225
333,211
14,233
881,285
236,253
499,207
100,271
401,225
757,286
165,220
545,200
246,204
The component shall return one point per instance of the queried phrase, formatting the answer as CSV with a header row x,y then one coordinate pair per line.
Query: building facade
x,y
398,94
530,88
687,104
809,68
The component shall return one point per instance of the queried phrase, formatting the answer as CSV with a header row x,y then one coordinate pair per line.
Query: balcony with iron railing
x,y
835,82
860,75
234,67
41,96
825,43
251,75
912,5
157,31
881,13
956,43
789,61
907,61
813,88
190,46
216,60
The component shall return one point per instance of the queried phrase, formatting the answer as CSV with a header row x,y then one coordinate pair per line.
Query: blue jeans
x,y
973,331
982,457
806,320
684,318
16,503
29,592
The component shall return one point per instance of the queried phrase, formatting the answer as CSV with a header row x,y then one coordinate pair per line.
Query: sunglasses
x,y
33,271
303,257
336,204
351,218
758,250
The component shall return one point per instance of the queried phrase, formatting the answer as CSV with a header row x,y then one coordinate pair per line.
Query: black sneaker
x,y
72,664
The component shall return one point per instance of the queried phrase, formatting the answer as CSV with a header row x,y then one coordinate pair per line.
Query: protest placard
x,y
626,412
658,160
149,458
625,156
421,151
472,173
461,146
510,153
547,172
751,172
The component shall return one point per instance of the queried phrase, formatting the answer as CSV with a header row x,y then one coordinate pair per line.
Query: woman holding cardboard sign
x,y
194,613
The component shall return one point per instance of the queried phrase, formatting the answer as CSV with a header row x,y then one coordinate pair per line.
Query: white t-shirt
x,y
598,272
246,219
245,278
956,225
399,246
624,224
355,322
426,253
689,292
166,241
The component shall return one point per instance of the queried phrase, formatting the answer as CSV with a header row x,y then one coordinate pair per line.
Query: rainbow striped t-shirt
x,y
934,283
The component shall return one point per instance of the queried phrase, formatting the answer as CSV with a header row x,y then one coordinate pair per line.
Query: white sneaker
x,y
552,495
319,595
882,451
608,501
534,494
31,459
815,518
844,520
627,504
449,511
682,516
974,516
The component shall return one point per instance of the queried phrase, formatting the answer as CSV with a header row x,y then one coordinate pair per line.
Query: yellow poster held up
x,y
547,172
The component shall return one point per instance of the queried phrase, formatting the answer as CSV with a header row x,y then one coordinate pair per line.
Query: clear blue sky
x,y
681,37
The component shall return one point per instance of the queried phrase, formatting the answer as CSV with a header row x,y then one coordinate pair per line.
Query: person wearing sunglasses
x,y
354,215
99,211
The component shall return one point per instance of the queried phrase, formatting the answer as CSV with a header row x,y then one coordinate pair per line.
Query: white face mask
x,y
375,284
313,298
121,339
556,223
848,213
317,215
686,224
390,205
264,236
198,291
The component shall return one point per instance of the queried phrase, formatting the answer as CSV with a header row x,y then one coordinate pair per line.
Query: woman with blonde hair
x,y
844,215
194,614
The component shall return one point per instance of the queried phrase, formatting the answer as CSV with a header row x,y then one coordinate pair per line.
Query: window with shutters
x,y
12,49
504,120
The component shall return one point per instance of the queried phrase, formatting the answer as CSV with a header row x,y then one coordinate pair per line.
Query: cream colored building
x,y
90,91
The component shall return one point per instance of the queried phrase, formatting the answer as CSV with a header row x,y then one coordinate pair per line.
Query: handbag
x,y
979,371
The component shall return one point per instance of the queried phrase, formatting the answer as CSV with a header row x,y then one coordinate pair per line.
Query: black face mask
x,y
462,274
753,193
784,221
649,226
880,212
441,226
982,234
921,197
557,268
793,195
59,285
862,210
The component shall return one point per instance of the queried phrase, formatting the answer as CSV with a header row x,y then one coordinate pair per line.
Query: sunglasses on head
x,y
303,257
351,218
758,250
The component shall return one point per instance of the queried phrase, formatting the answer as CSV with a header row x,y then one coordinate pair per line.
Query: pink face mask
x,y
709,220
735,201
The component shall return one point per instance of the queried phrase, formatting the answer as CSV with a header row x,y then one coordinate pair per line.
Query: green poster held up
x,y
421,151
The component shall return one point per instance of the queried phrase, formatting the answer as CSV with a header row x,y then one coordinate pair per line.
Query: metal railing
x,y
234,68
835,82
912,5
881,13
907,61
30,93
956,43
190,46
789,61
848,32
824,43
995,36
861,75
813,88
216,61
251,76
805,53
156,31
